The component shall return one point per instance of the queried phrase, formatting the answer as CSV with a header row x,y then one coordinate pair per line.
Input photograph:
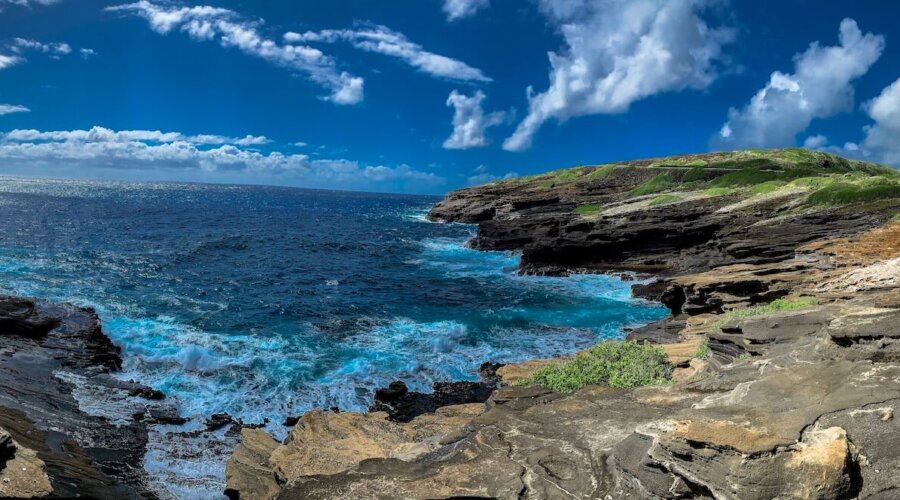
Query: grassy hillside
x,y
809,177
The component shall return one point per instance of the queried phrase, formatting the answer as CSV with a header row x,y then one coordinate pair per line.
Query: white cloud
x,y
469,121
6,109
819,87
29,3
248,140
7,61
383,40
815,142
87,53
882,141
458,9
299,144
103,134
147,150
618,52
20,45
206,23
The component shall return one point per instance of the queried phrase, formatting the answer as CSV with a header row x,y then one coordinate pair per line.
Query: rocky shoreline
x,y
782,340
52,354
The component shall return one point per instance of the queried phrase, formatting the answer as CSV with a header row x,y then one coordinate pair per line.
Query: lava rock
x,y
403,405
147,393
19,317
393,392
219,420
166,416
488,372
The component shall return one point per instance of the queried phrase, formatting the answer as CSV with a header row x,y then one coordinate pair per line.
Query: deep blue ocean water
x,y
266,302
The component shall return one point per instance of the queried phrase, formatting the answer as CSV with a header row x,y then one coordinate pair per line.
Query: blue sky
x,y
424,96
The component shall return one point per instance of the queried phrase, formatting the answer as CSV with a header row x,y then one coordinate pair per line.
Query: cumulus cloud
x,y
882,141
155,150
87,53
248,140
7,61
618,52
103,134
815,142
6,109
458,9
206,23
383,40
469,121
819,87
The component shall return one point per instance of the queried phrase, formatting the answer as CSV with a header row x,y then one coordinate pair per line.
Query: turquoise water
x,y
266,302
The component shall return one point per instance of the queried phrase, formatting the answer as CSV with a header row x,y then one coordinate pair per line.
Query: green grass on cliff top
x,y
665,199
844,193
659,182
617,364
750,167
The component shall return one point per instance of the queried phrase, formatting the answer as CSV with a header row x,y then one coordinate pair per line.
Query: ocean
x,y
265,302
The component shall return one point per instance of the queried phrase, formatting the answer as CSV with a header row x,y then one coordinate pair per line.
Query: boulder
x,y
18,316
22,473
248,473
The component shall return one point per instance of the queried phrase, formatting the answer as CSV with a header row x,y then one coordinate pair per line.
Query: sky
x,y
426,96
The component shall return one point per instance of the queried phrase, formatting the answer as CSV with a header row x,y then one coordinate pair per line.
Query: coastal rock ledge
x,y
55,357
782,271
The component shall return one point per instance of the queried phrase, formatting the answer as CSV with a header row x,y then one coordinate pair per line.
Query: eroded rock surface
x,y
63,409
784,335
22,473
325,443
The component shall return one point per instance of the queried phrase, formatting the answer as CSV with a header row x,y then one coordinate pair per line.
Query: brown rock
x,y
22,473
328,443
515,372
248,473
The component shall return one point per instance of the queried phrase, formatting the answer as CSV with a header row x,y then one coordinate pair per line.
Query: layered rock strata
x,y
68,428
784,330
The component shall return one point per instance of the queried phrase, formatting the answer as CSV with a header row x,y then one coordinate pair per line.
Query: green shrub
x,y
775,306
813,182
588,210
545,185
693,175
601,172
842,193
654,185
767,187
703,351
569,175
678,163
718,191
617,364
747,177
665,198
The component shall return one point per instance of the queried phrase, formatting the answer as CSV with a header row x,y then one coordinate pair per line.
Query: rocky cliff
x,y
67,427
782,271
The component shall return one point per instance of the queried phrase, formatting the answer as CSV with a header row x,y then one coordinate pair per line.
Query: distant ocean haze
x,y
265,302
